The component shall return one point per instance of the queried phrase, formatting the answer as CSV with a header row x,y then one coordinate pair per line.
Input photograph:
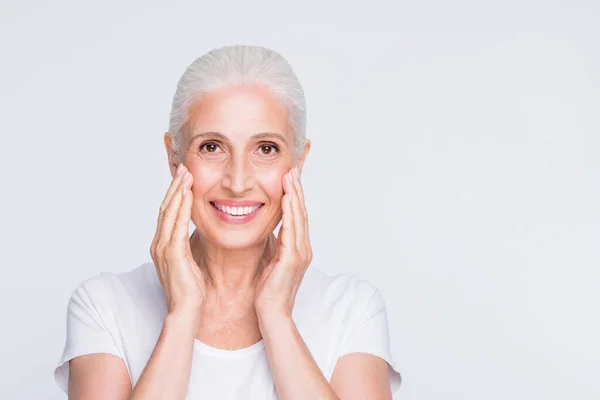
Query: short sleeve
x,y
87,328
371,335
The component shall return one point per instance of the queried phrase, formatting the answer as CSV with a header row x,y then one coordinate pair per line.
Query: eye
x,y
211,147
268,148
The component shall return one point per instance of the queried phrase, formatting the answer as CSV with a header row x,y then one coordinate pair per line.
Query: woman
x,y
231,312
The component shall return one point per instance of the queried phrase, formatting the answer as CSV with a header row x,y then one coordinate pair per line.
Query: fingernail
x,y
179,169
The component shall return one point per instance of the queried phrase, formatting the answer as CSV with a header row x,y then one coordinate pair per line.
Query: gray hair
x,y
238,65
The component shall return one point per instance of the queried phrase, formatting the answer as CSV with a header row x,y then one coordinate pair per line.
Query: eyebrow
x,y
256,136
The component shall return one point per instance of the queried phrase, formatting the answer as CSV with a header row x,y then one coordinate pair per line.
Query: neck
x,y
231,271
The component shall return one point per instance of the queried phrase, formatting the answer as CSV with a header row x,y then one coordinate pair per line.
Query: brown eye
x,y
210,147
268,149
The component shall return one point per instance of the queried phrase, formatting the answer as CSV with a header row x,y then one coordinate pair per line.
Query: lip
x,y
237,219
238,203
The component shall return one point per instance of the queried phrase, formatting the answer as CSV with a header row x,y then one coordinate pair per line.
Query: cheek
x,y
204,178
271,182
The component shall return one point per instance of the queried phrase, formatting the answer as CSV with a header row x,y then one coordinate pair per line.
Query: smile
x,y
235,210
236,214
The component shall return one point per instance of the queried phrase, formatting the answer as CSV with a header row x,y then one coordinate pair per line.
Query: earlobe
x,y
167,141
307,145
171,154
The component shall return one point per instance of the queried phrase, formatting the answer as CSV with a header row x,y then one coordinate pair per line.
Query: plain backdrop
x,y
455,165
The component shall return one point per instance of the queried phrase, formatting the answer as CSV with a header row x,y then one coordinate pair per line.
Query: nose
x,y
238,176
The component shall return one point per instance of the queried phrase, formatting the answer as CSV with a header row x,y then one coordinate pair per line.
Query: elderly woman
x,y
230,312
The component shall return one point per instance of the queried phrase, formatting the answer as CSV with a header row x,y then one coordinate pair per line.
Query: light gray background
x,y
454,165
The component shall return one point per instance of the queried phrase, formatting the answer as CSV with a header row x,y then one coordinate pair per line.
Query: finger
x,y
175,184
285,237
300,191
170,214
180,235
298,214
279,237
288,238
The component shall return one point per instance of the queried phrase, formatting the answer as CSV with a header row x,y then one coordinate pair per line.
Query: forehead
x,y
238,112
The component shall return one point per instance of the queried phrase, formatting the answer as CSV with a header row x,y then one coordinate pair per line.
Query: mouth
x,y
236,214
236,211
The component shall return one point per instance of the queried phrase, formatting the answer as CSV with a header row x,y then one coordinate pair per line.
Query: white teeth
x,y
236,210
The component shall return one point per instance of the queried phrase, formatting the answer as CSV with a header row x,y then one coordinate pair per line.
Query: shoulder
x,y
337,286
103,313
107,287
131,278
140,278
339,314
335,296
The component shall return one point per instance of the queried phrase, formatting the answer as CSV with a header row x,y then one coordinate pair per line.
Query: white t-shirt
x,y
123,314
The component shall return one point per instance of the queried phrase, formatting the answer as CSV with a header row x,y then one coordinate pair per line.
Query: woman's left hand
x,y
277,287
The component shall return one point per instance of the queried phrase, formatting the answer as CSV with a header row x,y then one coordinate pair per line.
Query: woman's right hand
x,y
181,278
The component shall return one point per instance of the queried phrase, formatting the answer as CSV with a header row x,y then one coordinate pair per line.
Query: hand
x,y
277,286
179,275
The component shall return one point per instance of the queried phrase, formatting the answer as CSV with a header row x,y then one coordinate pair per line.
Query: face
x,y
238,145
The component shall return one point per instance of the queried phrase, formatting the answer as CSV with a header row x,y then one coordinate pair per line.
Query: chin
x,y
238,242
235,239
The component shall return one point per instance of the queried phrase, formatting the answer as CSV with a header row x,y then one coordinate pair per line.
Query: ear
x,y
302,158
172,156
